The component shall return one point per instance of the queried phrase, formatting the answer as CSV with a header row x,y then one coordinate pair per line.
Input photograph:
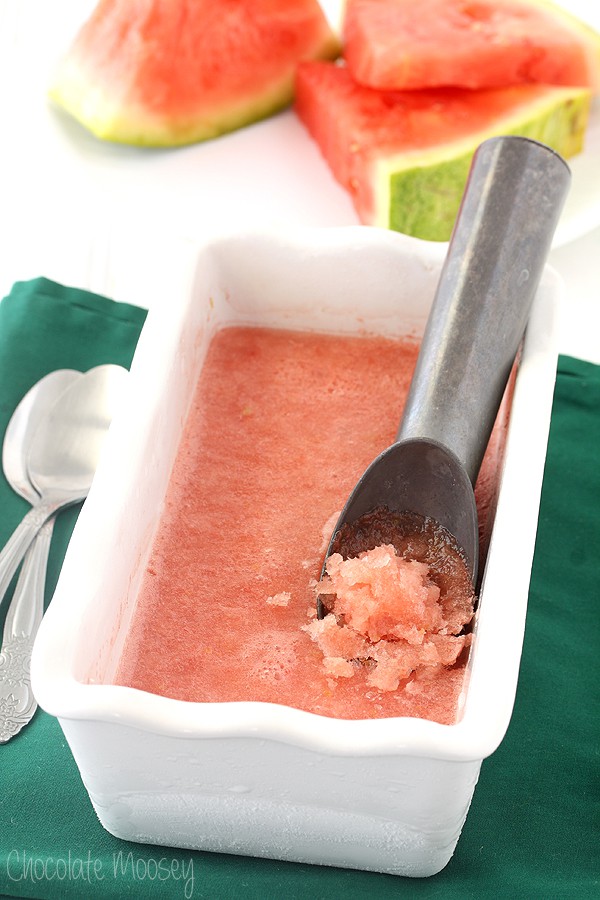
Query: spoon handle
x,y
27,602
18,543
23,618
501,239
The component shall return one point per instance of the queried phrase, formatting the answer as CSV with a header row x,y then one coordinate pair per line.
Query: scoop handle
x,y
501,239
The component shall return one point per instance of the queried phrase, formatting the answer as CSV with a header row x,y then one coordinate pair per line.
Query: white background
x,y
62,192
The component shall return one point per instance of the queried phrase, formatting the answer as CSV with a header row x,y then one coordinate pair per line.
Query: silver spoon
x,y
501,240
64,455
27,604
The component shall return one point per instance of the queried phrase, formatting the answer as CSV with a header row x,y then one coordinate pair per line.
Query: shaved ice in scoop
x,y
393,614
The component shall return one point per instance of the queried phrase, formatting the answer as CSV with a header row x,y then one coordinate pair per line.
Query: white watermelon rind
x,y
111,115
585,36
584,32
128,123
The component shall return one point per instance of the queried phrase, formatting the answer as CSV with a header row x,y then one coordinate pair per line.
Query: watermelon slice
x,y
400,44
173,72
404,156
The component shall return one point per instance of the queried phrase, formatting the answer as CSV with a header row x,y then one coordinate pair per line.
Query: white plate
x,y
582,209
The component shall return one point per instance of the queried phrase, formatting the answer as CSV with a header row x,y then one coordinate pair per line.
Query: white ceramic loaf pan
x,y
260,779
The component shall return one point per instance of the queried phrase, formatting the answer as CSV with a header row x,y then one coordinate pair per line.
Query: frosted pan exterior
x,y
388,795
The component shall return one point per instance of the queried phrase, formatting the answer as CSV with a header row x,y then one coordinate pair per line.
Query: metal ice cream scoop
x,y
502,236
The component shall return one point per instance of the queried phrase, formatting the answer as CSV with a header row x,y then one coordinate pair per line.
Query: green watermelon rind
x,y
75,88
419,193
128,124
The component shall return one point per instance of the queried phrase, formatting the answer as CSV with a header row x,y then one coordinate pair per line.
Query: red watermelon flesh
x,y
402,44
170,72
404,156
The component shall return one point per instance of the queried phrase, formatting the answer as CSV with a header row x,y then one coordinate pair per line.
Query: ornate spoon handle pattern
x,y
17,703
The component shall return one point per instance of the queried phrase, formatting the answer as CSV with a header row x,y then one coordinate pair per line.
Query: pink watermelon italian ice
x,y
173,72
404,156
400,44
228,592
391,615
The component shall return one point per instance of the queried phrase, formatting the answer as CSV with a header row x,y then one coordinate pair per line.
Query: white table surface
x,y
63,194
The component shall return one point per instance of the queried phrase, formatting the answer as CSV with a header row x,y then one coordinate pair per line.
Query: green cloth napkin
x,y
533,830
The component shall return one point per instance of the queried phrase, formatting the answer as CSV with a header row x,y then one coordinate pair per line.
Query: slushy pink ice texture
x,y
282,425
